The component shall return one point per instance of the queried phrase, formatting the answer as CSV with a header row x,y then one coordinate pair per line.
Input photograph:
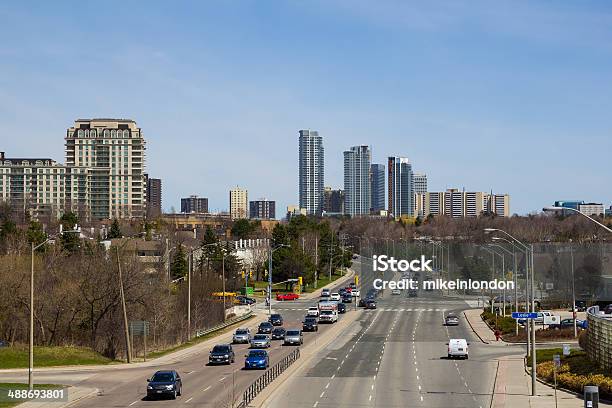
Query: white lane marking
x,y
333,376
419,388
315,404
222,378
132,403
322,394
327,386
188,400
206,389
422,399
370,399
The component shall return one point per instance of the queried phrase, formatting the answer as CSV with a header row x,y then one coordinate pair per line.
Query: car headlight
x,y
169,387
226,356
149,387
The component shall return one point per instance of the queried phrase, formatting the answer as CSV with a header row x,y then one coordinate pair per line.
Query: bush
x,y
504,324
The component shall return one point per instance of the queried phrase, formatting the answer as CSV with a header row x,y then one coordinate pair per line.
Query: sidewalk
x,y
512,384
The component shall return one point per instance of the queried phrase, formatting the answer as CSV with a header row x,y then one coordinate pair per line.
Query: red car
x,y
348,289
287,296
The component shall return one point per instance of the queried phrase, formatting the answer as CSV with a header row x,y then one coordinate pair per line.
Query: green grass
x,y
543,355
322,282
20,386
17,356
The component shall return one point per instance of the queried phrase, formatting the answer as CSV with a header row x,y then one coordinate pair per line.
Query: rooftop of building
x,y
106,120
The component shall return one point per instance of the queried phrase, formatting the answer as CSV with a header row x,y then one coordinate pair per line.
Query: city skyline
x,y
410,98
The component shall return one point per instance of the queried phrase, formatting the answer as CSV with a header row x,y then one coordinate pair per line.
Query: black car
x,y
265,328
364,301
341,308
370,304
347,298
276,319
310,324
245,300
342,292
222,354
165,383
278,333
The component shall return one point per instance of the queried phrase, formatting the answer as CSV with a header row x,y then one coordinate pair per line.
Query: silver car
x,y
261,341
451,320
294,336
242,336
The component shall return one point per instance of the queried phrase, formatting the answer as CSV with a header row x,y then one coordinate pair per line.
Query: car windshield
x,y
241,332
260,337
279,330
311,320
326,312
257,353
220,349
293,333
275,316
162,377
265,324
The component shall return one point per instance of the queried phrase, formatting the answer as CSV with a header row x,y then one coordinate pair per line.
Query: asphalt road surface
x,y
396,356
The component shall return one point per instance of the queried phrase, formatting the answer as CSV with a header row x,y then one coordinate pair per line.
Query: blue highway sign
x,y
523,315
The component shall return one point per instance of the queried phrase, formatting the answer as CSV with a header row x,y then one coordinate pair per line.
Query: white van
x,y
458,348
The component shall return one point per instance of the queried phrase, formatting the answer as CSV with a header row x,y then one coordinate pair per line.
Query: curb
x,y
472,327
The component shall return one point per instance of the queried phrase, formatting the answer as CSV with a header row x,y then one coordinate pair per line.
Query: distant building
x,y
311,171
33,185
592,209
262,209
400,187
333,201
154,197
569,204
239,203
294,211
357,197
459,204
419,186
194,204
608,212
377,187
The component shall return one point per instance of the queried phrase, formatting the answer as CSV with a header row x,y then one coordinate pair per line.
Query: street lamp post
x,y
31,334
514,279
270,252
529,261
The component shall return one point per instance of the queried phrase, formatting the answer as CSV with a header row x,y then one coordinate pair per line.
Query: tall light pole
x,y
529,260
31,334
270,252
514,279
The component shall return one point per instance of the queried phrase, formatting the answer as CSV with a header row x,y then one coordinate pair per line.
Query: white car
x,y
335,296
325,293
355,293
330,316
458,348
313,311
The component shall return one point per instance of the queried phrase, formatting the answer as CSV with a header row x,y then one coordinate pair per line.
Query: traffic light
x,y
356,279
300,280
242,273
251,273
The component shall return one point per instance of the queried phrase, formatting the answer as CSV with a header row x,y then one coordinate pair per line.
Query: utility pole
x,y
533,329
190,261
31,348
223,278
316,274
125,319
573,291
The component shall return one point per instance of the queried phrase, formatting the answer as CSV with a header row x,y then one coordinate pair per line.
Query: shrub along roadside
x,y
575,372
504,324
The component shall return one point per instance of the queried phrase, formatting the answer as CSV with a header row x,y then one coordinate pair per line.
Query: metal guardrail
x,y
599,337
227,323
270,375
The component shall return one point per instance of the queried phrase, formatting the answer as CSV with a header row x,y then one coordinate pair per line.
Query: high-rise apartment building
x,y
333,201
194,204
400,187
35,186
459,204
357,196
419,186
377,187
311,171
154,197
262,209
239,199
105,161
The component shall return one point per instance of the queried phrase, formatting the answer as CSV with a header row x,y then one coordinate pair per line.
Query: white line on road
x,y
133,403
315,404
370,399
322,394
206,389
327,386
188,400
222,378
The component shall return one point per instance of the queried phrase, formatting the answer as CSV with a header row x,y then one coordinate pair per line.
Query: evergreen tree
x,y
70,240
178,267
115,230
35,233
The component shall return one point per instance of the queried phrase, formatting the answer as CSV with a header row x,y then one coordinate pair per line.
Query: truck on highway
x,y
328,305
328,316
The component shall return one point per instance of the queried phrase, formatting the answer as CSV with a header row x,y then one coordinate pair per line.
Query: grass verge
x,y
4,387
17,356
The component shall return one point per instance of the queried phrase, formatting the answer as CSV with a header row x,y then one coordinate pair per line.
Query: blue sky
x,y
512,97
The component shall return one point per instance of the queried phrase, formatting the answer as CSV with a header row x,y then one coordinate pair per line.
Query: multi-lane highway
x,y
203,385
396,356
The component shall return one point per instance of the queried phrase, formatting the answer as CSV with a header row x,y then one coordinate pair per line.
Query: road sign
x,y
524,315
566,350
557,360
